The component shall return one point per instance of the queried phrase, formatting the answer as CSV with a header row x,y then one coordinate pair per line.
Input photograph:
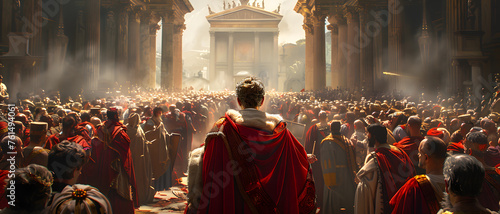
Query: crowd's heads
x,y
66,160
376,132
133,120
32,185
359,125
250,92
157,111
7,145
68,123
80,198
463,175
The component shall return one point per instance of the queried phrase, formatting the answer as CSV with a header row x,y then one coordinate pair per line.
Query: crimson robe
x,y
490,194
4,176
110,167
268,172
57,138
395,167
492,157
410,146
413,197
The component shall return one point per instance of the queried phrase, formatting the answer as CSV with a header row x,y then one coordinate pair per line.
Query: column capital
x,y
308,24
318,20
179,29
334,28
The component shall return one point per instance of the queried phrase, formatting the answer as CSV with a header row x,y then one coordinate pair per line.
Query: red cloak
x,y
57,138
490,194
415,197
395,168
410,146
316,135
255,170
457,147
4,176
111,145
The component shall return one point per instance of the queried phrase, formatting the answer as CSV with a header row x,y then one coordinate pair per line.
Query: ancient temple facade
x,y
451,46
94,44
243,42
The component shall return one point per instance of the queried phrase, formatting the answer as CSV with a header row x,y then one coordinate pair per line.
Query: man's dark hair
x,y
477,137
85,117
464,174
68,122
335,127
156,110
378,132
250,92
64,158
435,147
6,144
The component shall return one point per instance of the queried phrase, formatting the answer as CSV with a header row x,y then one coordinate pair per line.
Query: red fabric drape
x,y
281,164
396,168
410,199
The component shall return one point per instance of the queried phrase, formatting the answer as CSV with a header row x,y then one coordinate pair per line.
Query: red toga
x,y
395,168
57,138
416,196
410,146
247,170
110,167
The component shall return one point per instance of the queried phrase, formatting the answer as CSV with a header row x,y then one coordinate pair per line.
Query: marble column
x,y
319,72
153,30
341,56
167,51
110,36
353,51
134,45
178,32
121,71
395,39
274,76
6,22
334,30
229,84
366,55
145,50
93,38
212,69
477,79
309,69
256,53
33,23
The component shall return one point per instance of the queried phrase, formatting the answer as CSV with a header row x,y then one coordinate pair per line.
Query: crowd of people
x,y
347,152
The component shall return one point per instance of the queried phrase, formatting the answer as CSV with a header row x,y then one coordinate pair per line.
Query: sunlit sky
x,y
197,37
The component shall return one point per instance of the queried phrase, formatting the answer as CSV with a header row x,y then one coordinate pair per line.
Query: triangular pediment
x,y
244,13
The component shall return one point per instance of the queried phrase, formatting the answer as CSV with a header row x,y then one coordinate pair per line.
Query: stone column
x,y
214,85
366,55
145,50
274,76
178,31
395,39
134,45
32,22
319,72
6,22
109,47
454,77
230,62
256,53
121,70
352,50
309,69
93,38
153,29
341,56
476,80
167,51
334,30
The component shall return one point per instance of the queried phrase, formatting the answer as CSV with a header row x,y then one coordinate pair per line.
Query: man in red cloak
x,y
252,163
422,194
411,143
386,170
68,133
110,168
